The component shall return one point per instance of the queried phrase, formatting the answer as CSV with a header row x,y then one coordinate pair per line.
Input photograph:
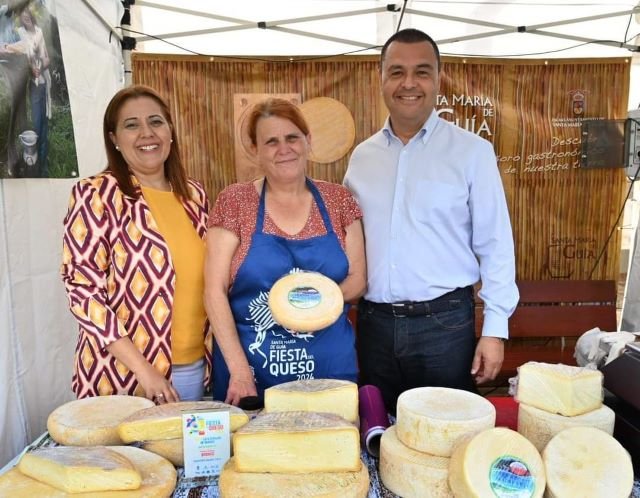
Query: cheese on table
x,y
158,480
305,301
171,449
165,421
497,462
314,395
93,421
410,473
234,484
79,469
539,426
558,388
297,442
433,419
589,463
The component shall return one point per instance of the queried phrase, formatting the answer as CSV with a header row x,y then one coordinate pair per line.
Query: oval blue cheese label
x,y
509,477
304,297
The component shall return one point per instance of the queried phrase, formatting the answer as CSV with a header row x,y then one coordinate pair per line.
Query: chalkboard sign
x,y
603,143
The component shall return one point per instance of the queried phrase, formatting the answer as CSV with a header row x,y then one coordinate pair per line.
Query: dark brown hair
x,y
279,108
173,169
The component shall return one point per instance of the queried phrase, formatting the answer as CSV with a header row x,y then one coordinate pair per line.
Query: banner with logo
x,y
36,129
564,215
531,110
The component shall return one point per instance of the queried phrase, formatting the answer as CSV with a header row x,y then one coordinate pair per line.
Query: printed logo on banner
x,y
578,101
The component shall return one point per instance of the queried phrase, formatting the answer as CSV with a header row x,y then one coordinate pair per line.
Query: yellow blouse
x,y
187,253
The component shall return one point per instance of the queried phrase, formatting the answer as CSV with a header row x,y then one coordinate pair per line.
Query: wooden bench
x,y
550,316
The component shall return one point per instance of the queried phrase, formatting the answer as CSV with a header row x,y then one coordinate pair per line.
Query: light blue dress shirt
x,y
435,218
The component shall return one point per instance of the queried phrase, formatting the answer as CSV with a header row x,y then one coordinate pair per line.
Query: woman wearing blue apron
x,y
246,257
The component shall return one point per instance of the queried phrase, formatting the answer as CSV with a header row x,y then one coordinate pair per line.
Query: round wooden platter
x,y
332,127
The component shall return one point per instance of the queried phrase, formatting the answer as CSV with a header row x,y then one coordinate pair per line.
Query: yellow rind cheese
x,y
158,480
165,421
297,442
410,473
314,395
171,449
234,484
93,421
539,426
305,301
558,388
77,469
434,419
483,463
589,463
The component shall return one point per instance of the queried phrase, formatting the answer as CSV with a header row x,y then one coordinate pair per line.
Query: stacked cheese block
x,y
561,412
303,444
431,421
554,397
159,428
96,472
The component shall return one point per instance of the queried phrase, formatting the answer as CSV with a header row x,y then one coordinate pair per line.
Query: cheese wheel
x,y
93,421
234,484
496,462
410,473
558,388
539,426
314,395
165,421
171,449
305,301
158,480
297,442
587,462
77,469
434,419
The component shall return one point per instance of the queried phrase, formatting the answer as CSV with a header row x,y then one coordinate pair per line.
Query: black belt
x,y
446,302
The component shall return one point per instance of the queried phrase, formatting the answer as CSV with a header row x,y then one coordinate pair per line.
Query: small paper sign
x,y
206,436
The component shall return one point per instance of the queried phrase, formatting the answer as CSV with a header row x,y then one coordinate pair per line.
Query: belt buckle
x,y
397,310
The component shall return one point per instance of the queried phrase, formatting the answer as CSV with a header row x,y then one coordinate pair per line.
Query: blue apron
x,y
275,354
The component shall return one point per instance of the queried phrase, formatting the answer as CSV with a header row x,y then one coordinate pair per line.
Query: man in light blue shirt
x,y
436,222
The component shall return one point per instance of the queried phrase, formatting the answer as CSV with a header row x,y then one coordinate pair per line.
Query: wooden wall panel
x,y
561,213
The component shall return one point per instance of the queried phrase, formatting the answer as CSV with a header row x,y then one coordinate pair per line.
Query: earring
x,y
116,146
171,141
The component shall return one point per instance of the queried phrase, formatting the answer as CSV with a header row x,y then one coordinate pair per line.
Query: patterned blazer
x,y
120,281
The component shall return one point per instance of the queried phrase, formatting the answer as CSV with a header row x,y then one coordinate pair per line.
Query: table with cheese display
x,y
444,442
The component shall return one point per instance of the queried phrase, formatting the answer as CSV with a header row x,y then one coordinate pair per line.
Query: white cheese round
x,y
305,301
410,473
234,484
158,480
496,462
434,419
539,426
587,462
93,421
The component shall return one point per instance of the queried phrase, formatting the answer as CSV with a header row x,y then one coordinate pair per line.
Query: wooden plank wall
x,y
530,110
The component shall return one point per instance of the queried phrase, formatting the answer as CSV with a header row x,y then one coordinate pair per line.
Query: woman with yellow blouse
x,y
132,261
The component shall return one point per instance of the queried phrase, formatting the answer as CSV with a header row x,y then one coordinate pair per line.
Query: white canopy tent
x,y
37,333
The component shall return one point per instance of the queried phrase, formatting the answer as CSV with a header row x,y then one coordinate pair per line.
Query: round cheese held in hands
x,y
305,301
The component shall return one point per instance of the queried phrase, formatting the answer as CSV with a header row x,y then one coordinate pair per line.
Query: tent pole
x,y
128,42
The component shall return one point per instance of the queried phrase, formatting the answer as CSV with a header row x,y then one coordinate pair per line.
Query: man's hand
x,y
487,360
